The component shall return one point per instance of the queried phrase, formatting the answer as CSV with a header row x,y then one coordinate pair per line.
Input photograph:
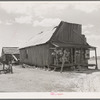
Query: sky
x,y
21,21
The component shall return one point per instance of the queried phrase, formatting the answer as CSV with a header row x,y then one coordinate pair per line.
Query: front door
x,y
77,56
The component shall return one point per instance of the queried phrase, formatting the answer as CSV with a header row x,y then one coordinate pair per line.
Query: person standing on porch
x,y
65,58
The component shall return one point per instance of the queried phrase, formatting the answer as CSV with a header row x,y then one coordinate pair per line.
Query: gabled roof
x,y
65,33
10,50
40,38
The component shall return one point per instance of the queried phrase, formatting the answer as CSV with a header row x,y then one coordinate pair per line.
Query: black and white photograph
x,y
50,47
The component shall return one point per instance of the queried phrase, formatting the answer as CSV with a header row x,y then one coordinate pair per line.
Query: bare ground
x,y
39,80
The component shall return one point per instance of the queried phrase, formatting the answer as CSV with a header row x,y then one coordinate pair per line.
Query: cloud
x,y
84,27
35,9
87,7
86,32
48,22
94,40
24,19
8,23
93,36
0,21
21,8
47,8
43,10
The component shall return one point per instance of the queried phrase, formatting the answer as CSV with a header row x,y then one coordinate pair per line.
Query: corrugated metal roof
x,y
10,50
65,32
40,38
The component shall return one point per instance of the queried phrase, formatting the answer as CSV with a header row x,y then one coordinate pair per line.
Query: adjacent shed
x,y
50,47
10,53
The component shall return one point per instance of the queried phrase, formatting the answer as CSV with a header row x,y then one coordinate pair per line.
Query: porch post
x,y
75,56
96,59
81,55
72,55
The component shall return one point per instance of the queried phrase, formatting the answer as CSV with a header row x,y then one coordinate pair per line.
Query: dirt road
x,y
39,80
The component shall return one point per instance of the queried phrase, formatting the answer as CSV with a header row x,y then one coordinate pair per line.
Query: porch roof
x,y
70,45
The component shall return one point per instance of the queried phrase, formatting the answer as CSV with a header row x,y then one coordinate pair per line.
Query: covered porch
x,y
72,55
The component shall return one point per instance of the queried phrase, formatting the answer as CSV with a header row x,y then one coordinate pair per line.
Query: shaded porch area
x,y
72,56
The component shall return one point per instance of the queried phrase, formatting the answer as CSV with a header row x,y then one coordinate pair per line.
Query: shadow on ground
x,y
89,71
85,71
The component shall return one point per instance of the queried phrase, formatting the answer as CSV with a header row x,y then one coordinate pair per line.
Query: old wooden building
x,y
62,46
10,53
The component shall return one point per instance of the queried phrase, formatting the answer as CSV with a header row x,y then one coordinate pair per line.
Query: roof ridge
x,y
10,47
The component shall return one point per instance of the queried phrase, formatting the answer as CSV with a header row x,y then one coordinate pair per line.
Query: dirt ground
x,y
38,80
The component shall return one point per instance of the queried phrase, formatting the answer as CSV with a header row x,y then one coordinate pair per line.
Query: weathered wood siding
x,y
36,55
69,33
